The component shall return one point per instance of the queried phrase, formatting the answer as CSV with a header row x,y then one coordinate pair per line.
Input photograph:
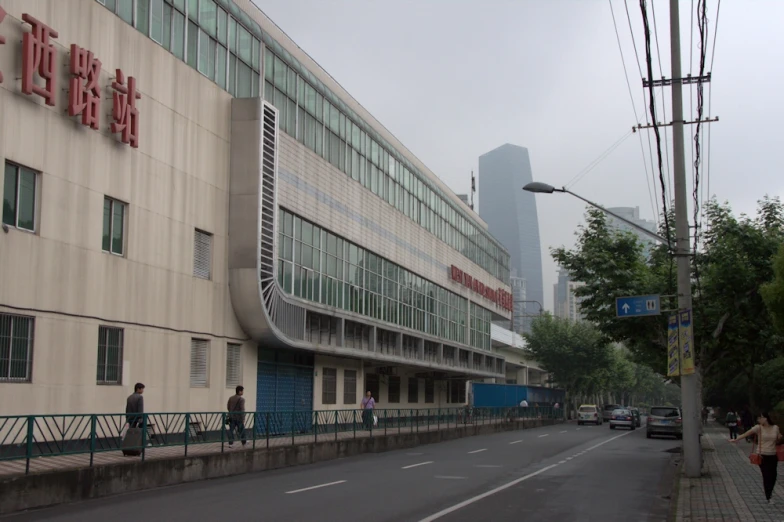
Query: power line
x,y
710,99
652,102
664,104
593,164
636,117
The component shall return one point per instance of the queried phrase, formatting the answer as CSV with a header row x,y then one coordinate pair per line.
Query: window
x,y
16,348
394,389
373,385
202,254
113,223
430,389
19,193
457,392
413,390
200,362
157,22
233,365
329,386
349,386
110,354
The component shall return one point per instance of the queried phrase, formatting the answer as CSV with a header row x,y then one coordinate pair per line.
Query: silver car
x,y
622,418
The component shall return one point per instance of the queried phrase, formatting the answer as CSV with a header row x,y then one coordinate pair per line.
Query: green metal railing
x,y
29,437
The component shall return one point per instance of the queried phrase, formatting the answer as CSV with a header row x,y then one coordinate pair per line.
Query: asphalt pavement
x,y
562,472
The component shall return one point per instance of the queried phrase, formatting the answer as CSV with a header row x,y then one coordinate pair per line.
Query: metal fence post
x,y
29,449
223,431
255,427
315,428
385,422
144,435
336,426
268,428
92,438
187,431
293,413
354,412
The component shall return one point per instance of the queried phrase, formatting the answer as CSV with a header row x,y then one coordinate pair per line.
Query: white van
x,y
589,413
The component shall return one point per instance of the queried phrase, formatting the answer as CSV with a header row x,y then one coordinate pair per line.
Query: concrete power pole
x,y
692,451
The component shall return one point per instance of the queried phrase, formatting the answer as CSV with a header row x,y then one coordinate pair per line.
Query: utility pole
x,y
692,451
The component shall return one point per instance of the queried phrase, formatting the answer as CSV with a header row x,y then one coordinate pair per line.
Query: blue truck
x,y
488,395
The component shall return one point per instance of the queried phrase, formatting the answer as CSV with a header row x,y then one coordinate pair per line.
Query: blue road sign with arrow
x,y
637,306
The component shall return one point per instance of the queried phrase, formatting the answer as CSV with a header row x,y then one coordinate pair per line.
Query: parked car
x,y
589,413
665,420
637,417
608,410
622,418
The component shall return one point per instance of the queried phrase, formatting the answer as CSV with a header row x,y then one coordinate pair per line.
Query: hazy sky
x,y
453,79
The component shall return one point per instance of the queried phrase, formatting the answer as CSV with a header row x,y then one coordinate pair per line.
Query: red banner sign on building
x,y
39,55
84,94
124,111
499,296
2,38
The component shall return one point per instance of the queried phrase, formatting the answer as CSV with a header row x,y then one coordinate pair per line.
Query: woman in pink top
x,y
768,436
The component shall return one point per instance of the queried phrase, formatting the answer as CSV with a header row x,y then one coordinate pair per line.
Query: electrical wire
x,y
637,119
710,99
664,105
593,164
702,25
652,102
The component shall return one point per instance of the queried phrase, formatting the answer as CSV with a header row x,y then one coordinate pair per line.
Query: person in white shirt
x,y
767,437
524,403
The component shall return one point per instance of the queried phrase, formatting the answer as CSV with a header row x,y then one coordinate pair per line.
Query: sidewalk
x,y
730,489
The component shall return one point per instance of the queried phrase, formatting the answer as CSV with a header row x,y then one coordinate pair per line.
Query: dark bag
x,y
228,417
132,442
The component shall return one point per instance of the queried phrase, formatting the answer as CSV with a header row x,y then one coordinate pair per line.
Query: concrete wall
x,y
174,182
46,489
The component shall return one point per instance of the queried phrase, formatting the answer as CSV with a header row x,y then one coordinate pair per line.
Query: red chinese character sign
x,y
39,56
84,95
2,38
124,111
499,296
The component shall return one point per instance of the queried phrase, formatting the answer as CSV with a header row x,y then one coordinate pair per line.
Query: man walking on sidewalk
x,y
236,407
135,404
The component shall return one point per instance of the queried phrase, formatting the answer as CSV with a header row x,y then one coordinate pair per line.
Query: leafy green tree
x,y
575,353
773,292
732,327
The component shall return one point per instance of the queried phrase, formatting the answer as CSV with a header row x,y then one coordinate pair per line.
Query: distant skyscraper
x,y
633,215
565,303
510,212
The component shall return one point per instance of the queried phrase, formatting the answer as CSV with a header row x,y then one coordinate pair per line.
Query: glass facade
x,y
319,266
204,35
319,125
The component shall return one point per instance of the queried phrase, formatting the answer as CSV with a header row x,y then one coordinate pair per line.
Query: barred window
x,y
110,354
200,359
430,391
394,389
413,390
16,348
233,365
349,386
329,386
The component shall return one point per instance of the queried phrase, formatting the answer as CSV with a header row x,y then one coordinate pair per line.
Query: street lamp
x,y
543,188
541,309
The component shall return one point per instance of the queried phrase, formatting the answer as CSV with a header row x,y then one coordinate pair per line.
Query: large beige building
x,y
258,227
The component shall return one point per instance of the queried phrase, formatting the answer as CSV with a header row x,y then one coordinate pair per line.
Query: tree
x,y
575,353
732,327
773,292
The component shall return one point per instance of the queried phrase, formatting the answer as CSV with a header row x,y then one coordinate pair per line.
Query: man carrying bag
x,y
134,416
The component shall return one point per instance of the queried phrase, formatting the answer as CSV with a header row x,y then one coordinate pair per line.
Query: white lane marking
x,y
447,477
516,441
316,487
562,462
417,465
577,429
545,435
477,451
564,431
488,466
472,500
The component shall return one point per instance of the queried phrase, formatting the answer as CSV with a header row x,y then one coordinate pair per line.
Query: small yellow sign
x,y
673,347
687,343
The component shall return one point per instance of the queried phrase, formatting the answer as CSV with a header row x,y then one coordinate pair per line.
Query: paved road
x,y
564,473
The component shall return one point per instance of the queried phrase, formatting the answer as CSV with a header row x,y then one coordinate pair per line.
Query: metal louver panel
x,y
288,317
202,254
200,363
233,365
